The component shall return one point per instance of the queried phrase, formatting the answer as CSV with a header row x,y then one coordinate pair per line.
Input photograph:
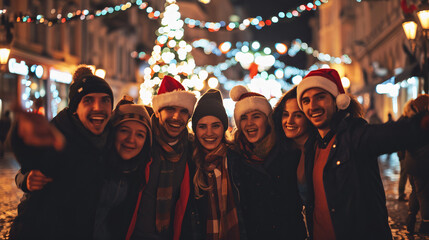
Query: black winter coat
x,y
199,207
351,177
268,195
122,183
64,208
417,162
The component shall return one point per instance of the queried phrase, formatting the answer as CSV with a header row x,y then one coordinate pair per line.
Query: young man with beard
x,y
64,208
346,194
160,212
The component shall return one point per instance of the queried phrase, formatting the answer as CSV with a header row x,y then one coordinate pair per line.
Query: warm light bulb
x,y
424,18
410,29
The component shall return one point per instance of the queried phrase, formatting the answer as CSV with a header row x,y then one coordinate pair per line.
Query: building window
x,y
112,57
58,37
101,51
119,56
37,31
74,39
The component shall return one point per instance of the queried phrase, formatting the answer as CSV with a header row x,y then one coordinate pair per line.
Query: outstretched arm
x,y
31,181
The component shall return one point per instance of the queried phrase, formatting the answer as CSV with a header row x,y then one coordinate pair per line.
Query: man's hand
x,y
36,180
35,130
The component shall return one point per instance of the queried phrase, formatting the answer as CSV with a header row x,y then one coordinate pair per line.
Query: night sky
x,y
283,31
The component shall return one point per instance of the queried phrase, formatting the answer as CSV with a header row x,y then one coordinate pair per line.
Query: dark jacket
x,y
143,223
351,177
122,182
268,195
64,208
417,161
199,207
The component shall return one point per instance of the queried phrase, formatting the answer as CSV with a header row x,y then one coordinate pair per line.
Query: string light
x,y
85,14
279,48
256,22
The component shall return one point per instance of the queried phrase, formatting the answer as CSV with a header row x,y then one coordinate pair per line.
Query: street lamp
x,y
6,37
411,27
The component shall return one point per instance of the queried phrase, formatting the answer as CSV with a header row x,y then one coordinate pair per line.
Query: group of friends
x,y
306,169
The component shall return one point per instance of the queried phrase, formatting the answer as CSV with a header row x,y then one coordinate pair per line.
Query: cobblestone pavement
x,y
389,165
10,195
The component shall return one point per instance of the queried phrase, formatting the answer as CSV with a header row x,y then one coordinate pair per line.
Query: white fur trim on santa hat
x,y
315,82
176,98
249,104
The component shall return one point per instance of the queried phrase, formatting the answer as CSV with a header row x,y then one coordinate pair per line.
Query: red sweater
x,y
323,228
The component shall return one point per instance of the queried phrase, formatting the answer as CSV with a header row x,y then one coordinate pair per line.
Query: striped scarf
x,y
222,220
171,159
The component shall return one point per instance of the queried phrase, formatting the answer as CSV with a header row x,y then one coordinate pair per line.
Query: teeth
x,y
291,128
98,118
251,130
175,125
209,139
316,115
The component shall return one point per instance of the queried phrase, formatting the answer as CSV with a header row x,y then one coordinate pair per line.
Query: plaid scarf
x,y
171,159
257,152
222,220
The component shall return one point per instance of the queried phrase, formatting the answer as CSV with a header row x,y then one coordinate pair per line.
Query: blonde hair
x,y
199,180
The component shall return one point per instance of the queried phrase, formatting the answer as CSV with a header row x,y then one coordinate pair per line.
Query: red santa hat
x,y
327,79
172,93
247,102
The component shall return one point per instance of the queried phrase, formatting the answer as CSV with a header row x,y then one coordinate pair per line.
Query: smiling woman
x,y
264,173
126,164
216,199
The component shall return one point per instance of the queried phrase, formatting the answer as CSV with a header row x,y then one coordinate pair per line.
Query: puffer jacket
x,y
351,177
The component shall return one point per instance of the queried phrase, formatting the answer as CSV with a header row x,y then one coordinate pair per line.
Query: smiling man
x,y
165,197
62,185
346,194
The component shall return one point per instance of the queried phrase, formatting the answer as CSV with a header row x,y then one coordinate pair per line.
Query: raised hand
x,y
35,130
36,180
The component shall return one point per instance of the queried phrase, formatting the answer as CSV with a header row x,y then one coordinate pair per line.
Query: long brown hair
x,y
278,115
198,155
355,108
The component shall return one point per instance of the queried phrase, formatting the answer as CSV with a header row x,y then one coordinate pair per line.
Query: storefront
x,y
59,82
35,87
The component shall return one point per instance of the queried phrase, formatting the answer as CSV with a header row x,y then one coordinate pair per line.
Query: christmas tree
x,y
171,55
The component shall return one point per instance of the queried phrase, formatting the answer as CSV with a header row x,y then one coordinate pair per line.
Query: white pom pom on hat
x,y
237,91
247,102
343,101
327,79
